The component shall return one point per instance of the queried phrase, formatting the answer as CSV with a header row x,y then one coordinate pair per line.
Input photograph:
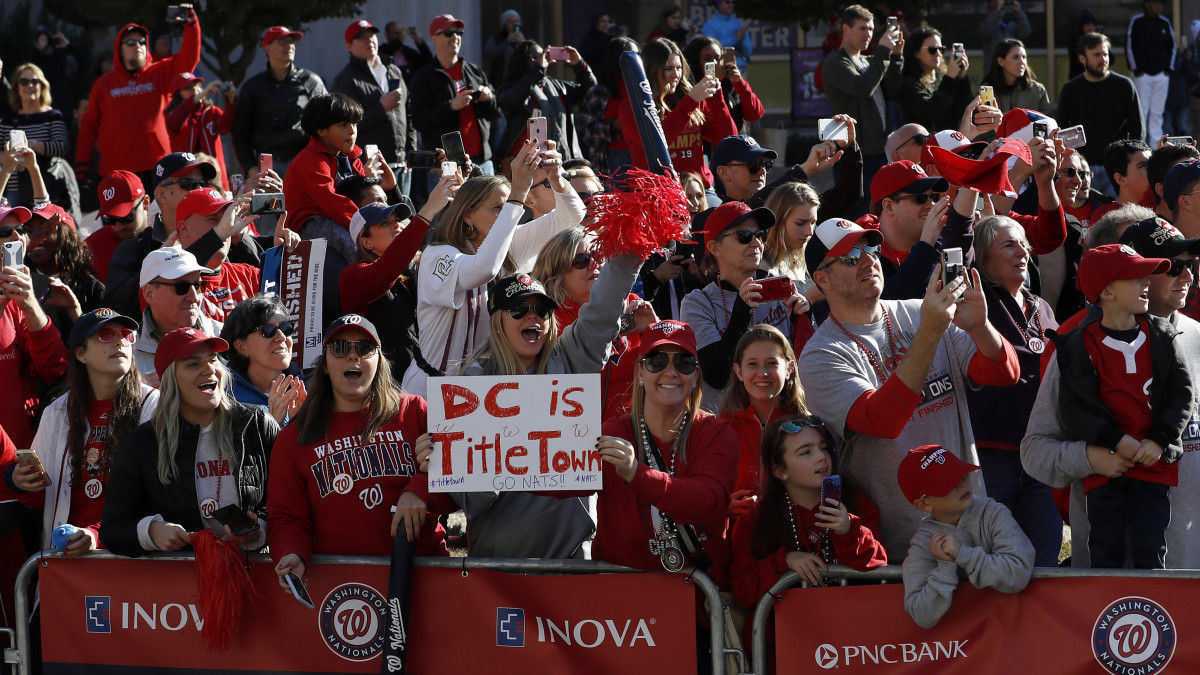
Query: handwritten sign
x,y
533,432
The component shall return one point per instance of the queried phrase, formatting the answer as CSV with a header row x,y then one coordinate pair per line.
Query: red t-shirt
x,y
87,493
467,123
1083,213
233,283
102,243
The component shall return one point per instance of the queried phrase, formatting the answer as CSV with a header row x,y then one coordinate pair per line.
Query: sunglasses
x,y
520,311
182,287
109,335
936,50
852,258
7,230
656,362
448,33
134,42
29,82
188,184
798,424
340,349
1178,266
919,139
545,183
1072,172
921,199
581,261
268,330
757,165
743,236
123,220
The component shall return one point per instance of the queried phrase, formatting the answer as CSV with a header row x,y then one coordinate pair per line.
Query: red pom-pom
x,y
639,215
223,583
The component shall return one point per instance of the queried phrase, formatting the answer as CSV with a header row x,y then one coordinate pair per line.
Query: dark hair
x,y
1161,161
577,163
72,257
1091,41
381,405
995,74
126,414
355,188
519,63
691,53
325,111
913,44
244,318
613,82
855,12
1117,154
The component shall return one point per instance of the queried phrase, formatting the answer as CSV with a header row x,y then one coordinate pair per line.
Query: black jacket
x,y
391,130
432,90
551,98
125,267
268,115
415,59
1172,393
135,492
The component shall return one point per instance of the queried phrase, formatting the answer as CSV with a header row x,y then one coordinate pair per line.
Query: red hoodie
x,y
124,118
195,129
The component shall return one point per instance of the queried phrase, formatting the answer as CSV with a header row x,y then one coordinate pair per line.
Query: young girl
x,y
691,114
795,207
765,387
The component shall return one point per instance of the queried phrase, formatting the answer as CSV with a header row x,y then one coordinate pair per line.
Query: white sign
x,y
532,432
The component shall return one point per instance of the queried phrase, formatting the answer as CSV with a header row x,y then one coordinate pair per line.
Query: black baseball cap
x,y
89,324
1156,238
512,290
346,323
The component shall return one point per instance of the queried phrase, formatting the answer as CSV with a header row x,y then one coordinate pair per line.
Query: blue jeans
x,y
1031,502
1128,506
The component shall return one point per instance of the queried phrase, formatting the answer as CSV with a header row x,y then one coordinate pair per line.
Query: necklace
x,y
665,543
892,362
725,309
1037,342
822,540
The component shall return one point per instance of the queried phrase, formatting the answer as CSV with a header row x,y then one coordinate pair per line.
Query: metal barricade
x,y
892,574
19,655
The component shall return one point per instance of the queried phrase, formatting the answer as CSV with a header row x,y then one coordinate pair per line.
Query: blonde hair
x,y
791,398
497,357
637,411
781,202
555,260
451,227
14,94
166,421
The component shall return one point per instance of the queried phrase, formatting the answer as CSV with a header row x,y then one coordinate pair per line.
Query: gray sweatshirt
x,y
993,553
1057,462
539,525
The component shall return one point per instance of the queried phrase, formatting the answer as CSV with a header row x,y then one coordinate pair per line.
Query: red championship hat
x,y
205,201
49,212
1103,265
184,79
732,214
668,332
275,32
903,176
118,192
930,470
181,343
988,175
445,22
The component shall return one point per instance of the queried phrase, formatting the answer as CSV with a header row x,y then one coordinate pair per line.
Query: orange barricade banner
x,y
1064,626
142,616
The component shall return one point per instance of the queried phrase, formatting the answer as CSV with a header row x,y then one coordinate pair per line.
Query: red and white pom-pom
x,y
223,583
640,214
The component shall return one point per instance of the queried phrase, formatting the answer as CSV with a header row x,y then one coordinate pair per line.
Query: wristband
x,y
514,201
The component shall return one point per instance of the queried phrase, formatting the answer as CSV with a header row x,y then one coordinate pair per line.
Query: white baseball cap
x,y
169,262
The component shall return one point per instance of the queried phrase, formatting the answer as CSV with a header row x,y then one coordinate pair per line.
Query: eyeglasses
x,y
182,287
340,349
1072,172
29,82
7,230
1178,266
188,184
109,335
448,33
852,258
545,183
581,261
268,330
134,42
919,139
656,362
520,311
920,200
936,50
757,165
123,220
743,236
800,423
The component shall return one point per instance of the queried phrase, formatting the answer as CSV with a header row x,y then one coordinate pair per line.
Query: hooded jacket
x,y
125,117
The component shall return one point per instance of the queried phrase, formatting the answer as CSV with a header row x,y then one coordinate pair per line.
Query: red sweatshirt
x,y
125,115
310,183
749,434
335,496
616,377
685,140
233,283
363,283
698,494
102,243
199,130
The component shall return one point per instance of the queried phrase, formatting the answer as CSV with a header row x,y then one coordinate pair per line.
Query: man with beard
x,y
1105,103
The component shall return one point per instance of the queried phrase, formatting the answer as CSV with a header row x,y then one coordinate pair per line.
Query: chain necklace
x,y
1037,342
891,362
823,539
724,308
665,543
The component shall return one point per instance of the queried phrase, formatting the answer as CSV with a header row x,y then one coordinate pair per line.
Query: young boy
x,y
1125,388
976,534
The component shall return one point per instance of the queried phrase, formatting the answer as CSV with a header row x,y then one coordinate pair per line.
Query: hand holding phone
x,y
449,168
775,288
952,268
238,521
30,458
12,254
537,131
558,54
831,488
830,129
266,162
1073,137
987,96
1041,130
299,591
1176,140
267,203
452,145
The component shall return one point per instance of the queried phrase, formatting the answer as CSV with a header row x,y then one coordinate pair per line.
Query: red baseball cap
x,y
118,192
953,141
181,343
930,470
49,211
357,28
1103,265
732,214
205,201
903,176
184,79
275,32
444,21
668,332
835,237
21,213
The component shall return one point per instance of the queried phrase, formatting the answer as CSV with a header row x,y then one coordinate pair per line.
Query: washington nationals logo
x,y
1134,635
352,620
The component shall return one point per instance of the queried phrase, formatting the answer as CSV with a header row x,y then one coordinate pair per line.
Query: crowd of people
x,y
986,327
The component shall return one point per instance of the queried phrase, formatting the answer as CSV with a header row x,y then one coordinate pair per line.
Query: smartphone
x,y
177,14
710,69
957,48
893,22
537,131
1041,130
558,54
371,152
830,129
237,181
30,458
267,203
952,266
728,57
775,288
831,488
422,159
232,515
12,253
449,168
266,162
17,139
393,83
1171,140
987,96
299,592
1073,137
452,145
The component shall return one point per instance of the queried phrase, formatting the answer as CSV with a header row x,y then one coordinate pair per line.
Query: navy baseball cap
x,y
375,213
177,164
348,322
89,324
1179,177
740,148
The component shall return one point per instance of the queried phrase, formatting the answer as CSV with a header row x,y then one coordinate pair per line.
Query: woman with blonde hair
x,y
477,239
795,207
45,129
